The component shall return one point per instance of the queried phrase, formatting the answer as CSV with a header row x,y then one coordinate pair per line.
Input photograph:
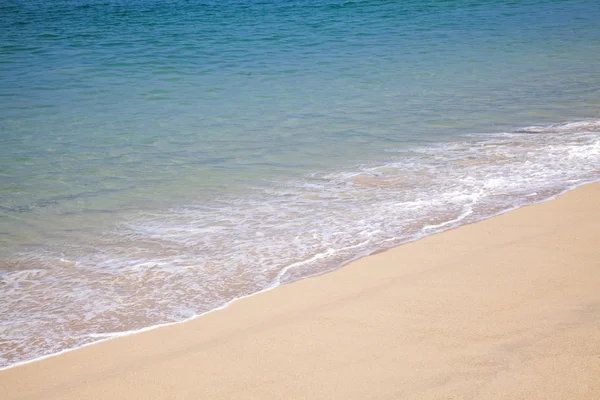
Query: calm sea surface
x,y
159,159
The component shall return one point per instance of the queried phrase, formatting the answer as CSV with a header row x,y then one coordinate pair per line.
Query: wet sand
x,y
507,308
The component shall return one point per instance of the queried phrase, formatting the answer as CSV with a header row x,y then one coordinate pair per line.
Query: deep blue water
x,y
161,158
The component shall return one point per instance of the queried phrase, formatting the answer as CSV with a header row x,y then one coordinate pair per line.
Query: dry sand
x,y
508,308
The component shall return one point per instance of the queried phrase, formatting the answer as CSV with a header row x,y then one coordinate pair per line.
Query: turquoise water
x,y
159,159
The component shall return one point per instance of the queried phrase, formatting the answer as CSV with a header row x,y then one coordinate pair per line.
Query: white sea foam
x,y
157,268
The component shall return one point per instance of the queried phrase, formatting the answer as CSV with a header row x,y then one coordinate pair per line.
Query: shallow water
x,y
159,159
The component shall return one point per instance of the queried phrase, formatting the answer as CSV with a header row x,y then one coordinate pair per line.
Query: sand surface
x,y
508,308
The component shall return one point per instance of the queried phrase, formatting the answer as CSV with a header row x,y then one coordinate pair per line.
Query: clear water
x,y
159,159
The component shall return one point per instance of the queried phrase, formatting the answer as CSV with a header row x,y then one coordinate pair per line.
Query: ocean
x,y
160,159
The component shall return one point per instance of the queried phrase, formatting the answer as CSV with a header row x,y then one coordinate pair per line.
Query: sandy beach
x,y
507,308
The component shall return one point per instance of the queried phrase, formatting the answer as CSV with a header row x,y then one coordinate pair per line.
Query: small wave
x,y
591,126
170,266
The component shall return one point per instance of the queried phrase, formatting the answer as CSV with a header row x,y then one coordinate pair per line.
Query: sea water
x,y
160,159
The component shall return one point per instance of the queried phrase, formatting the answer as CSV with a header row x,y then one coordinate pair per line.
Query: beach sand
x,y
507,308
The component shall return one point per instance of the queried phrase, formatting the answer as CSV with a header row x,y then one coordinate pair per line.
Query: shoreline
x,y
285,297
150,270
117,335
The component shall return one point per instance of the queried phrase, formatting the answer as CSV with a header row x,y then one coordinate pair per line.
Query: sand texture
x,y
507,308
